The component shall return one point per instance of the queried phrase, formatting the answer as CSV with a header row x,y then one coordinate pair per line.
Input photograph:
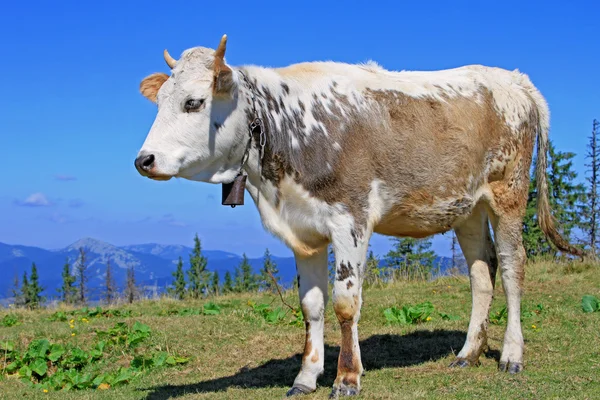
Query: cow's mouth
x,y
159,177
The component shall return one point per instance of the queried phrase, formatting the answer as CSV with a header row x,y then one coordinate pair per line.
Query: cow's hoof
x,y
463,363
510,367
298,390
343,390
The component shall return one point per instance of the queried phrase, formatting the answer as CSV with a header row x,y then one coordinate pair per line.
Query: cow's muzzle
x,y
144,163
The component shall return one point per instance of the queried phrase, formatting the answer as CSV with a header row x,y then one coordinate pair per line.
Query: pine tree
x,y
17,293
81,276
238,283
566,201
35,290
68,290
214,284
567,196
110,288
178,288
130,288
265,281
197,274
372,270
227,283
411,258
591,210
250,280
458,262
25,293
244,279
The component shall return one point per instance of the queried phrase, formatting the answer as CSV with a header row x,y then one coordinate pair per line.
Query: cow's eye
x,y
193,104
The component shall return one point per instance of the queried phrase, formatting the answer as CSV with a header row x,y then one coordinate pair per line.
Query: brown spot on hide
x,y
348,362
344,271
349,285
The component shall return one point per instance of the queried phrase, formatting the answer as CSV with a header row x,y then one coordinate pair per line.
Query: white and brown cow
x,y
356,149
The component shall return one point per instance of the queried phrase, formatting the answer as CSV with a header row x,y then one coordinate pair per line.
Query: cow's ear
x,y
223,75
151,85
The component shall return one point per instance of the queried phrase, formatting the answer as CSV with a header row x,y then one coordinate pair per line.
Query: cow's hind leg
x,y
312,278
477,246
350,248
512,257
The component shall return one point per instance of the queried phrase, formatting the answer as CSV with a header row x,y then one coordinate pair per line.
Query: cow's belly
x,y
426,217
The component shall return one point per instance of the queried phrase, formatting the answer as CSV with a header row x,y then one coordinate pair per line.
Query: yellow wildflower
x,y
72,326
45,390
434,291
84,319
73,334
448,286
428,319
71,321
534,327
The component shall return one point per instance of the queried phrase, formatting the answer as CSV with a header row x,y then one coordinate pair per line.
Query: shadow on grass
x,y
377,352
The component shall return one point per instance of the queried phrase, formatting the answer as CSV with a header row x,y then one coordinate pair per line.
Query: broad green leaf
x,y
211,309
449,317
590,304
98,380
25,371
139,327
160,358
38,348
7,345
56,351
12,367
39,366
123,376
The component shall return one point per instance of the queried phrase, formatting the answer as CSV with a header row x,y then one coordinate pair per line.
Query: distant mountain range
x,y
153,264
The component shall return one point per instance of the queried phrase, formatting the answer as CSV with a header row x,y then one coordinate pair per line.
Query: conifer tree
x,y
197,274
110,288
591,210
411,257
130,288
458,262
567,196
266,282
16,292
214,284
566,199
68,290
227,283
35,290
248,278
178,288
82,277
372,269
25,293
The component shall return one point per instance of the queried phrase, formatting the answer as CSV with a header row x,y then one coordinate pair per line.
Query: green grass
x,y
249,352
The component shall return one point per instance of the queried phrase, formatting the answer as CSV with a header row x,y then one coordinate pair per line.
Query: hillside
x,y
238,354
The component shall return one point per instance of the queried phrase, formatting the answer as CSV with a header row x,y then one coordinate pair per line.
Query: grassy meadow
x,y
246,347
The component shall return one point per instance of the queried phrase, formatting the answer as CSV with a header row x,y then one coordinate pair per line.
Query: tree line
x,y
198,281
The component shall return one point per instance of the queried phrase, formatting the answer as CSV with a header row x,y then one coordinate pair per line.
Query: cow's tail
x,y
545,218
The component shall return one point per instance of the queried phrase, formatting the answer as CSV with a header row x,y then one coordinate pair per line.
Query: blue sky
x,y
72,119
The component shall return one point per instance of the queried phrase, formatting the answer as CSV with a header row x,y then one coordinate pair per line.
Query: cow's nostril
x,y
144,162
148,161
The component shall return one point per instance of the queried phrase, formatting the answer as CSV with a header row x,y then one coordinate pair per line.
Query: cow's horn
x,y
170,60
220,52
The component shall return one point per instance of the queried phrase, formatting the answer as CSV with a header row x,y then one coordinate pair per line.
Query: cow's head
x,y
194,135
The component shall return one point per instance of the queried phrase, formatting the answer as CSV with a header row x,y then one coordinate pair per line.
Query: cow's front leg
x,y
350,254
312,279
